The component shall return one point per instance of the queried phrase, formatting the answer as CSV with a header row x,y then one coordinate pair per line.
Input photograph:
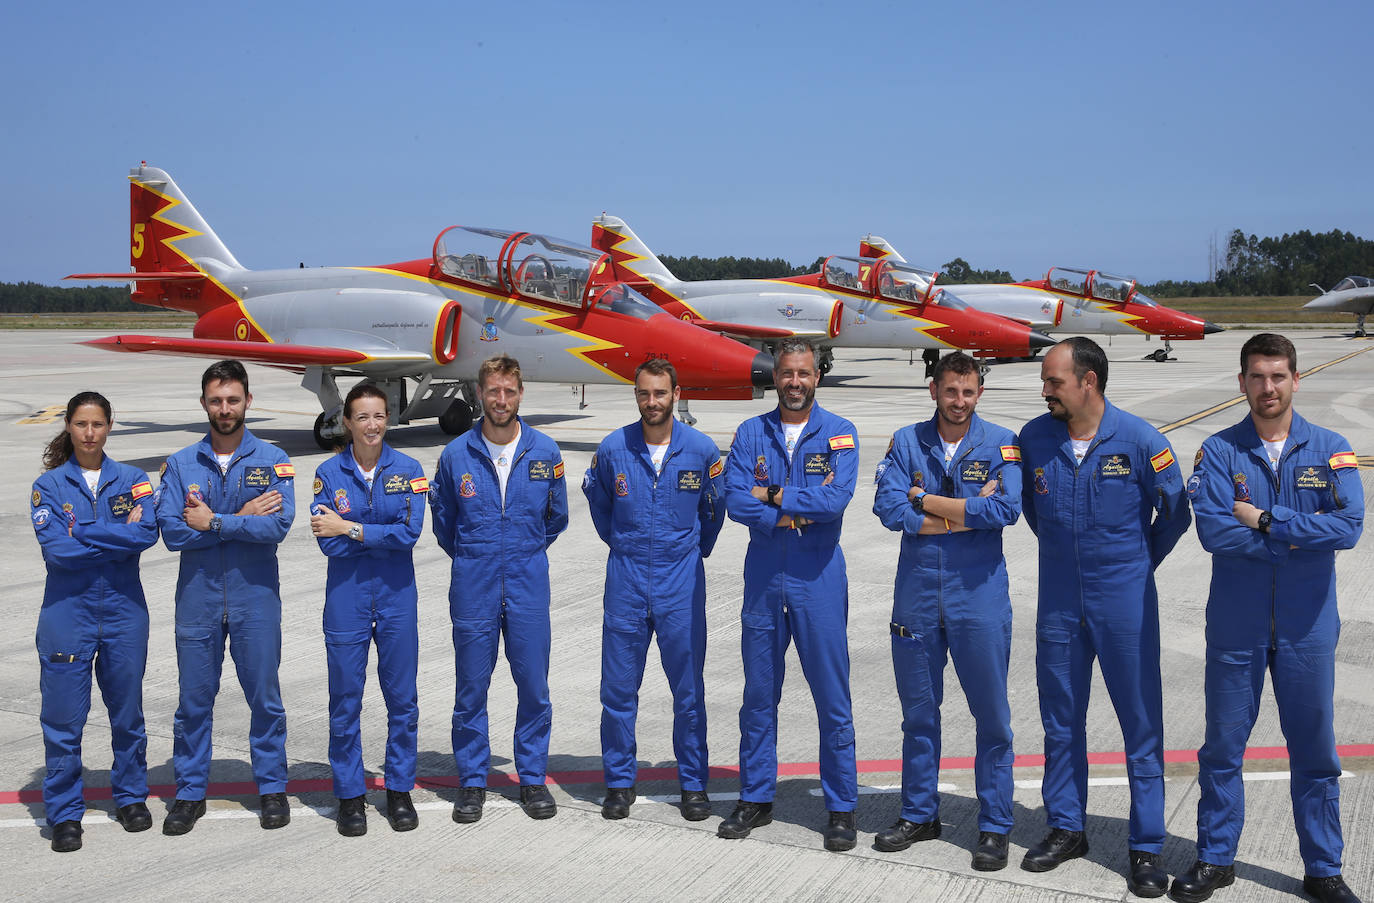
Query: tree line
x,y
1287,265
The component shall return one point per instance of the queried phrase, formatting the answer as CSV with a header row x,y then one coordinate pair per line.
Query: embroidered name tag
x,y
541,470
121,505
817,463
689,480
974,472
257,478
1116,466
1311,478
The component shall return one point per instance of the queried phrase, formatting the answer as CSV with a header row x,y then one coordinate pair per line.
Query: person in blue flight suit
x,y
367,513
1105,498
949,486
93,517
1275,496
790,474
499,501
225,503
655,495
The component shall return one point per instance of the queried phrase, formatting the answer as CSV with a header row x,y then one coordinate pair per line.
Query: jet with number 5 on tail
x,y
850,303
1073,302
549,303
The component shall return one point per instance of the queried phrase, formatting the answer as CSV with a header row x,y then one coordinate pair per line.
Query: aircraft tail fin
x,y
633,260
167,233
879,248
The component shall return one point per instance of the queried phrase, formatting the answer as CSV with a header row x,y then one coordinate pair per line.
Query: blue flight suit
x,y
795,588
659,526
370,595
1272,606
94,616
1104,525
500,586
952,599
227,586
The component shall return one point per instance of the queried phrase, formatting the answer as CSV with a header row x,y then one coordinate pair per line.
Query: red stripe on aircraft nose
x,y
785,769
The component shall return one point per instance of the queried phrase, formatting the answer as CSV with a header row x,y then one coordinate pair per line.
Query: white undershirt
x,y
224,462
367,475
950,449
1080,447
502,456
656,454
792,432
92,478
1275,451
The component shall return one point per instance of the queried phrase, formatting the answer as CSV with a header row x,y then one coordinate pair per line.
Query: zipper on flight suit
x,y
1077,553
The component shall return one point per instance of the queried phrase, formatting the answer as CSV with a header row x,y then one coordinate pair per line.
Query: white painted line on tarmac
x,y
885,788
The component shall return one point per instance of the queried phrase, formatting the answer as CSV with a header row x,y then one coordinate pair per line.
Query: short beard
x,y
236,425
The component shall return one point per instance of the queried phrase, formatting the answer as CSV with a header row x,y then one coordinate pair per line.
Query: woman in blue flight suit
x,y
367,514
93,517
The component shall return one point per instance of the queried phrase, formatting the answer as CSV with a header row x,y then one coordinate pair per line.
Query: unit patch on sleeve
x,y
285,471
38,499
318,486
1162,460
1197,459
839,442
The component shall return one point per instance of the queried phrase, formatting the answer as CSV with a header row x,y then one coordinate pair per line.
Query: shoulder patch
x,y
285,470
1197,459
1011,453
318,486
558,471
1343,459
37,498
839,442
161,470
419,484
890,443
1162,459
716,468
140,489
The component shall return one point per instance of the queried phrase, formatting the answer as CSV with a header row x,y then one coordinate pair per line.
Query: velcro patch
x,y
1116,466
689,480
974,471
817,463
1311,478
540,470
717,468
419,484
318,487
285,470
257,477
395,485
1011,453
1162,460
839,442
558,471
139,490
1343,459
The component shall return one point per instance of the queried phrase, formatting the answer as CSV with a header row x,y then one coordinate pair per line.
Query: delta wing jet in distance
x,y
1074,302
851,303
549,303
1353,294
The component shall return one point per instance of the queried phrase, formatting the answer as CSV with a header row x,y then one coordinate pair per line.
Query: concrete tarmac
x,y
654,854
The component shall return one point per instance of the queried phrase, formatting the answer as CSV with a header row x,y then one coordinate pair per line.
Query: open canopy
x,y
1097,286
540,266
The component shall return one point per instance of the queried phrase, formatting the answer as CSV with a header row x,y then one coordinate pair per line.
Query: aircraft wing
x,y
743,330
278,353
147,276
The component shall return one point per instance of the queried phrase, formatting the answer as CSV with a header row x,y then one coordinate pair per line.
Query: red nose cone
x,y
707,360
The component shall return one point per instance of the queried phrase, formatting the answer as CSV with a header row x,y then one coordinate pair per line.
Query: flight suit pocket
x,y
911,667
1232,696
197,657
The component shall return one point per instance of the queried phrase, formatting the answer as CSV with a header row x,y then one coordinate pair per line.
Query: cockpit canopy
x,y
540,266
1097,286
888,279
1353,282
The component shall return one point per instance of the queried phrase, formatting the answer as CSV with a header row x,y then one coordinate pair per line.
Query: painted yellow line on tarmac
x,y
46,415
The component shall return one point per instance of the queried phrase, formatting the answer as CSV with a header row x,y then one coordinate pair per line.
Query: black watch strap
x,y
1265,519
919,502
773,494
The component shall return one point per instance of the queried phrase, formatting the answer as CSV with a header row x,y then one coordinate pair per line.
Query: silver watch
x,y
355,532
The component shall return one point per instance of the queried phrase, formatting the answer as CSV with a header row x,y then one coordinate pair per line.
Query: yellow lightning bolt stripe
x,y
897,310
544,318
631,257
1125,319
169,243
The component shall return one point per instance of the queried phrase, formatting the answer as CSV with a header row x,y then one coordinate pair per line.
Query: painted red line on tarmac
x,y
785,769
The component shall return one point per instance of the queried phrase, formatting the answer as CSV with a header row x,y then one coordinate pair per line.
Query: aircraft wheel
x,y
321,439
1360,333
1160,355
457,419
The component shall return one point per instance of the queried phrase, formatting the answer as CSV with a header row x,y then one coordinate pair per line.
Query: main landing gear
x,y
455,404
1161,354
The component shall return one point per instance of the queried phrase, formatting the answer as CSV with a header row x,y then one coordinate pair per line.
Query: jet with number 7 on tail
x,y
549,303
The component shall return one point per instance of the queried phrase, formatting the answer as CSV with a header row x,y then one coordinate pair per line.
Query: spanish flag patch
x,y
717,468
139,490
1343,459
285,470
1011,453
1162,460
419,484
558,471
839,442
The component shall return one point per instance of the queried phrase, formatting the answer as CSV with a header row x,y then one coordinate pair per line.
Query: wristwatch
x,y
1265,519
773,494
355,532
216,522
919,503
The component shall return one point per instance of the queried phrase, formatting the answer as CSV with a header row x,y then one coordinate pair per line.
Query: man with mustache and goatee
x,y
499,501
1275,497
654,491
1104,496
225,504
790,475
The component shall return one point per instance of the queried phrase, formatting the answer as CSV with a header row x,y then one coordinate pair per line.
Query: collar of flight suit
x,y
928,434
247,446
71,470
1299,431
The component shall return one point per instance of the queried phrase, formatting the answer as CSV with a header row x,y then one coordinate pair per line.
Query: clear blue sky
x,y
1016,135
